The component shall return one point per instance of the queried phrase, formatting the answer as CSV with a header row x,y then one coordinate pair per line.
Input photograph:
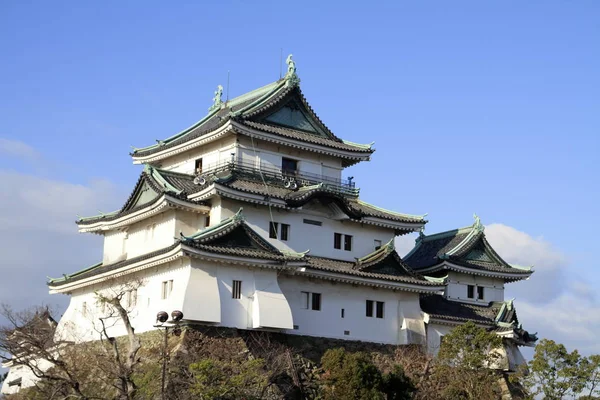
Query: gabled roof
x,y
270,188
465,250
233,236
500,316
384,263
150,188
278,108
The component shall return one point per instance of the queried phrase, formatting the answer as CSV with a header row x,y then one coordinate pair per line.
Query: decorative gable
x,y
142,195
479,255
294,115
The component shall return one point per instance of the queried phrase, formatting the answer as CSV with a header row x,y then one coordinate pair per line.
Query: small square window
x,y
377,244
337,241
316,301
346,333
236,290
289,166
480,290
369,309
470,291
347,242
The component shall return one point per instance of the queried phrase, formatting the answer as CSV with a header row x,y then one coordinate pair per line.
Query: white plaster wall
x,y
187,222
302,237
28,378
270,155
458,282
76,326
334,297
151,234
211,154
262,304
434,335
114,246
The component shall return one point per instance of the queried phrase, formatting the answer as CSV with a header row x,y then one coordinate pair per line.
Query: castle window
x,y
470,291
316,301
236,290
377,244
84,309
343,313
374,308
198,167
167,288
289,166
311,301
480,290
347,242
207,221
313,222
337,240
279,231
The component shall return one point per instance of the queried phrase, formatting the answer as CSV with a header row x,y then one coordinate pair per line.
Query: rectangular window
x,y
470,291
377,244
132,298
273,227
379,309
480,292
198,167
347,242
346,333
369,308
279,231
312,222
316,301
337,240
236,290
167,287
207,221
343,313
289,166
285,231
84,309
304,300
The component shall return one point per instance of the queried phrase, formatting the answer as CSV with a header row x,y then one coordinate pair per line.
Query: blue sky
x,y
487,107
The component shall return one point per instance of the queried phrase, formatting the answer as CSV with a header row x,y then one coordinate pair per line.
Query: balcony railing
x,y
286,178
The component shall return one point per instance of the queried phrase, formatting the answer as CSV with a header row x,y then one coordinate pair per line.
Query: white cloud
x,y
550,302
38,236
518,247
15,148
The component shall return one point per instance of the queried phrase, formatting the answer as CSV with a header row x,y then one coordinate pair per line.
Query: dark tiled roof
x,y
430,252
101,268
466,247
181,182
249,112
439,307
303,136
355,208
350,268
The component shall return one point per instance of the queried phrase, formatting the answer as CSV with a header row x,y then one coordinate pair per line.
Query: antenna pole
x,y
280,61
227,87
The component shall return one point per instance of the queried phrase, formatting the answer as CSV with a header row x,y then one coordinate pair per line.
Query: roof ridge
x,y
155,174
81,271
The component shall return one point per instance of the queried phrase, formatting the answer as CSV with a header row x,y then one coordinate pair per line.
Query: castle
x,y
244,221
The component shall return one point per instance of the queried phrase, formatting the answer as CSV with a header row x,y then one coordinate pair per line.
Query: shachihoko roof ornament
x,y
217,100
291,77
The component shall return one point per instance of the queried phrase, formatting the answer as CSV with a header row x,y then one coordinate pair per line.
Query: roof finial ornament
x,y
477,224
217,100
291,76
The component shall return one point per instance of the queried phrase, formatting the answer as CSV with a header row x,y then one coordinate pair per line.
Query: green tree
x,y
350,376
466,363
554,372
591,371
397,386
214,379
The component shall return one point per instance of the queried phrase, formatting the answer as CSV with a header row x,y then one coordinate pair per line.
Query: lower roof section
x,y
234,242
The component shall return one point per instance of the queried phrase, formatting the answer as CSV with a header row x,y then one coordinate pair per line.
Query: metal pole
x,y
164,366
